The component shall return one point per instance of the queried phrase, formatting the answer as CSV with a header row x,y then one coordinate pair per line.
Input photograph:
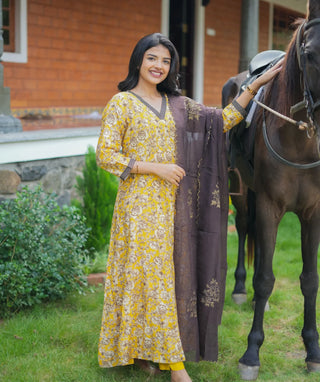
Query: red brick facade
x,y
78,50
222,50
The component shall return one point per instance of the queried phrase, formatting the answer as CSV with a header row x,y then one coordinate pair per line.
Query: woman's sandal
x,y
147,367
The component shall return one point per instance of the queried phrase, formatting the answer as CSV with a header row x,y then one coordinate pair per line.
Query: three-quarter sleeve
x,y
232,115
109,153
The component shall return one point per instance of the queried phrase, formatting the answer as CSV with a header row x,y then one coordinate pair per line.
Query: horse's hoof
x,y
248,373
313,367
239,298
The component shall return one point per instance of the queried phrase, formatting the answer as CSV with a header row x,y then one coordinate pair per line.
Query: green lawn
x,y
58,342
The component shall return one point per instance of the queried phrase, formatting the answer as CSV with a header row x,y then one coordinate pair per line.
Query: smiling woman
x,y
165,279
154,69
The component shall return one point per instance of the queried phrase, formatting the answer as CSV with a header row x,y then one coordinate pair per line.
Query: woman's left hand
x,y
268,75
247,95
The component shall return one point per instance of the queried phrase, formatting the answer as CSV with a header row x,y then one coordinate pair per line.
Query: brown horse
x,y
287,178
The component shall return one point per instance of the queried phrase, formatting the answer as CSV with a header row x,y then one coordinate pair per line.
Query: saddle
x,y
241,137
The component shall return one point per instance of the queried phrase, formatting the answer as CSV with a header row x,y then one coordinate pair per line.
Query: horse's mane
x,y
284,90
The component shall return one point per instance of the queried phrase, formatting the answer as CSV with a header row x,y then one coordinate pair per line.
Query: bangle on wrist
x,y
251,91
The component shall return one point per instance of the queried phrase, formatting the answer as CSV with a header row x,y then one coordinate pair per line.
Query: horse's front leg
x,y
239,294
267,225
309,281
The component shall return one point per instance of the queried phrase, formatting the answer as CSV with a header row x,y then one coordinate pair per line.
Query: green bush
x,y
42,248
97,189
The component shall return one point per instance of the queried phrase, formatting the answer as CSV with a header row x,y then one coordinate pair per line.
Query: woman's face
x,y
155,65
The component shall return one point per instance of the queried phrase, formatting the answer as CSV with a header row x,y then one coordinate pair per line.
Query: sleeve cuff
x,y
240,109
128,169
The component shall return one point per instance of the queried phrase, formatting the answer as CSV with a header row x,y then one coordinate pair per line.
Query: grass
x,y
58,342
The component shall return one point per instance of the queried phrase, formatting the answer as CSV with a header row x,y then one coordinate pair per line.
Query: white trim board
x,y
46,144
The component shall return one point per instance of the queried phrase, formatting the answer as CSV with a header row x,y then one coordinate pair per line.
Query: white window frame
x,y
21,35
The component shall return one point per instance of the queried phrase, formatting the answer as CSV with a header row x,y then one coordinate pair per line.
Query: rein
x,y
307,102
301,166
301,125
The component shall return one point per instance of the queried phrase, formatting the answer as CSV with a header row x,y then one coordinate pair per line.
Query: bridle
x,y
307,103
308,100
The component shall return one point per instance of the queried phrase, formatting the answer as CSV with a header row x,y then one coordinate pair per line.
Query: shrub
x,y
97,189
42,247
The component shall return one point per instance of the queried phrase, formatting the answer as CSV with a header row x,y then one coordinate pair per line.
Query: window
x,y
8,25
14,15
282,27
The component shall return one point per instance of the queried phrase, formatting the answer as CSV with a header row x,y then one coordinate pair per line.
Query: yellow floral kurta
x,y
139,315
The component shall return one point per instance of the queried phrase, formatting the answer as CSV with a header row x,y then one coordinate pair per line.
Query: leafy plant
x,y
232,214
42,247
97,189
96,264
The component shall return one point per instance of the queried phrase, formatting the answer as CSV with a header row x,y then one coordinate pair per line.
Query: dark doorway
x,y
182,35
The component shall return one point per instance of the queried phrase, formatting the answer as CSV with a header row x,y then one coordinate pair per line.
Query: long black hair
x,y
171,84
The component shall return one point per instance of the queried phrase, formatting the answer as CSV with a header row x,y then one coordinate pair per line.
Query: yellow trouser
x,y
171,366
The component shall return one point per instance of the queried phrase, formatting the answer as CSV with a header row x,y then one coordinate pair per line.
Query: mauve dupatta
x,y
200,232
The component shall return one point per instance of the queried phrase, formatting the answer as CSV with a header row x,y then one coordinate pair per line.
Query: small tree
x,y
97,189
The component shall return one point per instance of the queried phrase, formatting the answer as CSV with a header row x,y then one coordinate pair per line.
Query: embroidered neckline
x,y
162,112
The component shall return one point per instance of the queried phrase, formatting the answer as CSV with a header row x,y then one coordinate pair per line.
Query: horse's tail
x,y
251,200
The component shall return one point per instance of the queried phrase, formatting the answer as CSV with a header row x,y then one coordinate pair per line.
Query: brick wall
x,y
78,50
264,26
222,50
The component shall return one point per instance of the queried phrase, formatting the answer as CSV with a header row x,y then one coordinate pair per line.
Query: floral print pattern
x,y
231,117
139,315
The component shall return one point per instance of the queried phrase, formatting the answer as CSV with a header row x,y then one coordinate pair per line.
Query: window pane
x,y
8,25
6,39
282,27
5,18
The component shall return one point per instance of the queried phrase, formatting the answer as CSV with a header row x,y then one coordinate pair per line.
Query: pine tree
x,y
98,190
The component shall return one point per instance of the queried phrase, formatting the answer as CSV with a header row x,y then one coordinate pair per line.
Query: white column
x,y
249,45
198,66
165,17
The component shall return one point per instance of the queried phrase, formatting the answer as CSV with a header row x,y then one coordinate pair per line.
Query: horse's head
x,y
309,62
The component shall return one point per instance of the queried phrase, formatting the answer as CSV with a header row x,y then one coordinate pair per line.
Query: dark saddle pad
x,y
241,137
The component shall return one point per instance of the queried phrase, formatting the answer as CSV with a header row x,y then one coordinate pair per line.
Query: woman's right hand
x,y
170,172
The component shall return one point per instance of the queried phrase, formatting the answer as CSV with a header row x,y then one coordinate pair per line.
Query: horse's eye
x,y
309,55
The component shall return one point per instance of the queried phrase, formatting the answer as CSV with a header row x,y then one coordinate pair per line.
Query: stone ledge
x,y
9,182
8,123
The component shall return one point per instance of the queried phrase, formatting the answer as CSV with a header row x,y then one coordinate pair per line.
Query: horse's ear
x,y
313,9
